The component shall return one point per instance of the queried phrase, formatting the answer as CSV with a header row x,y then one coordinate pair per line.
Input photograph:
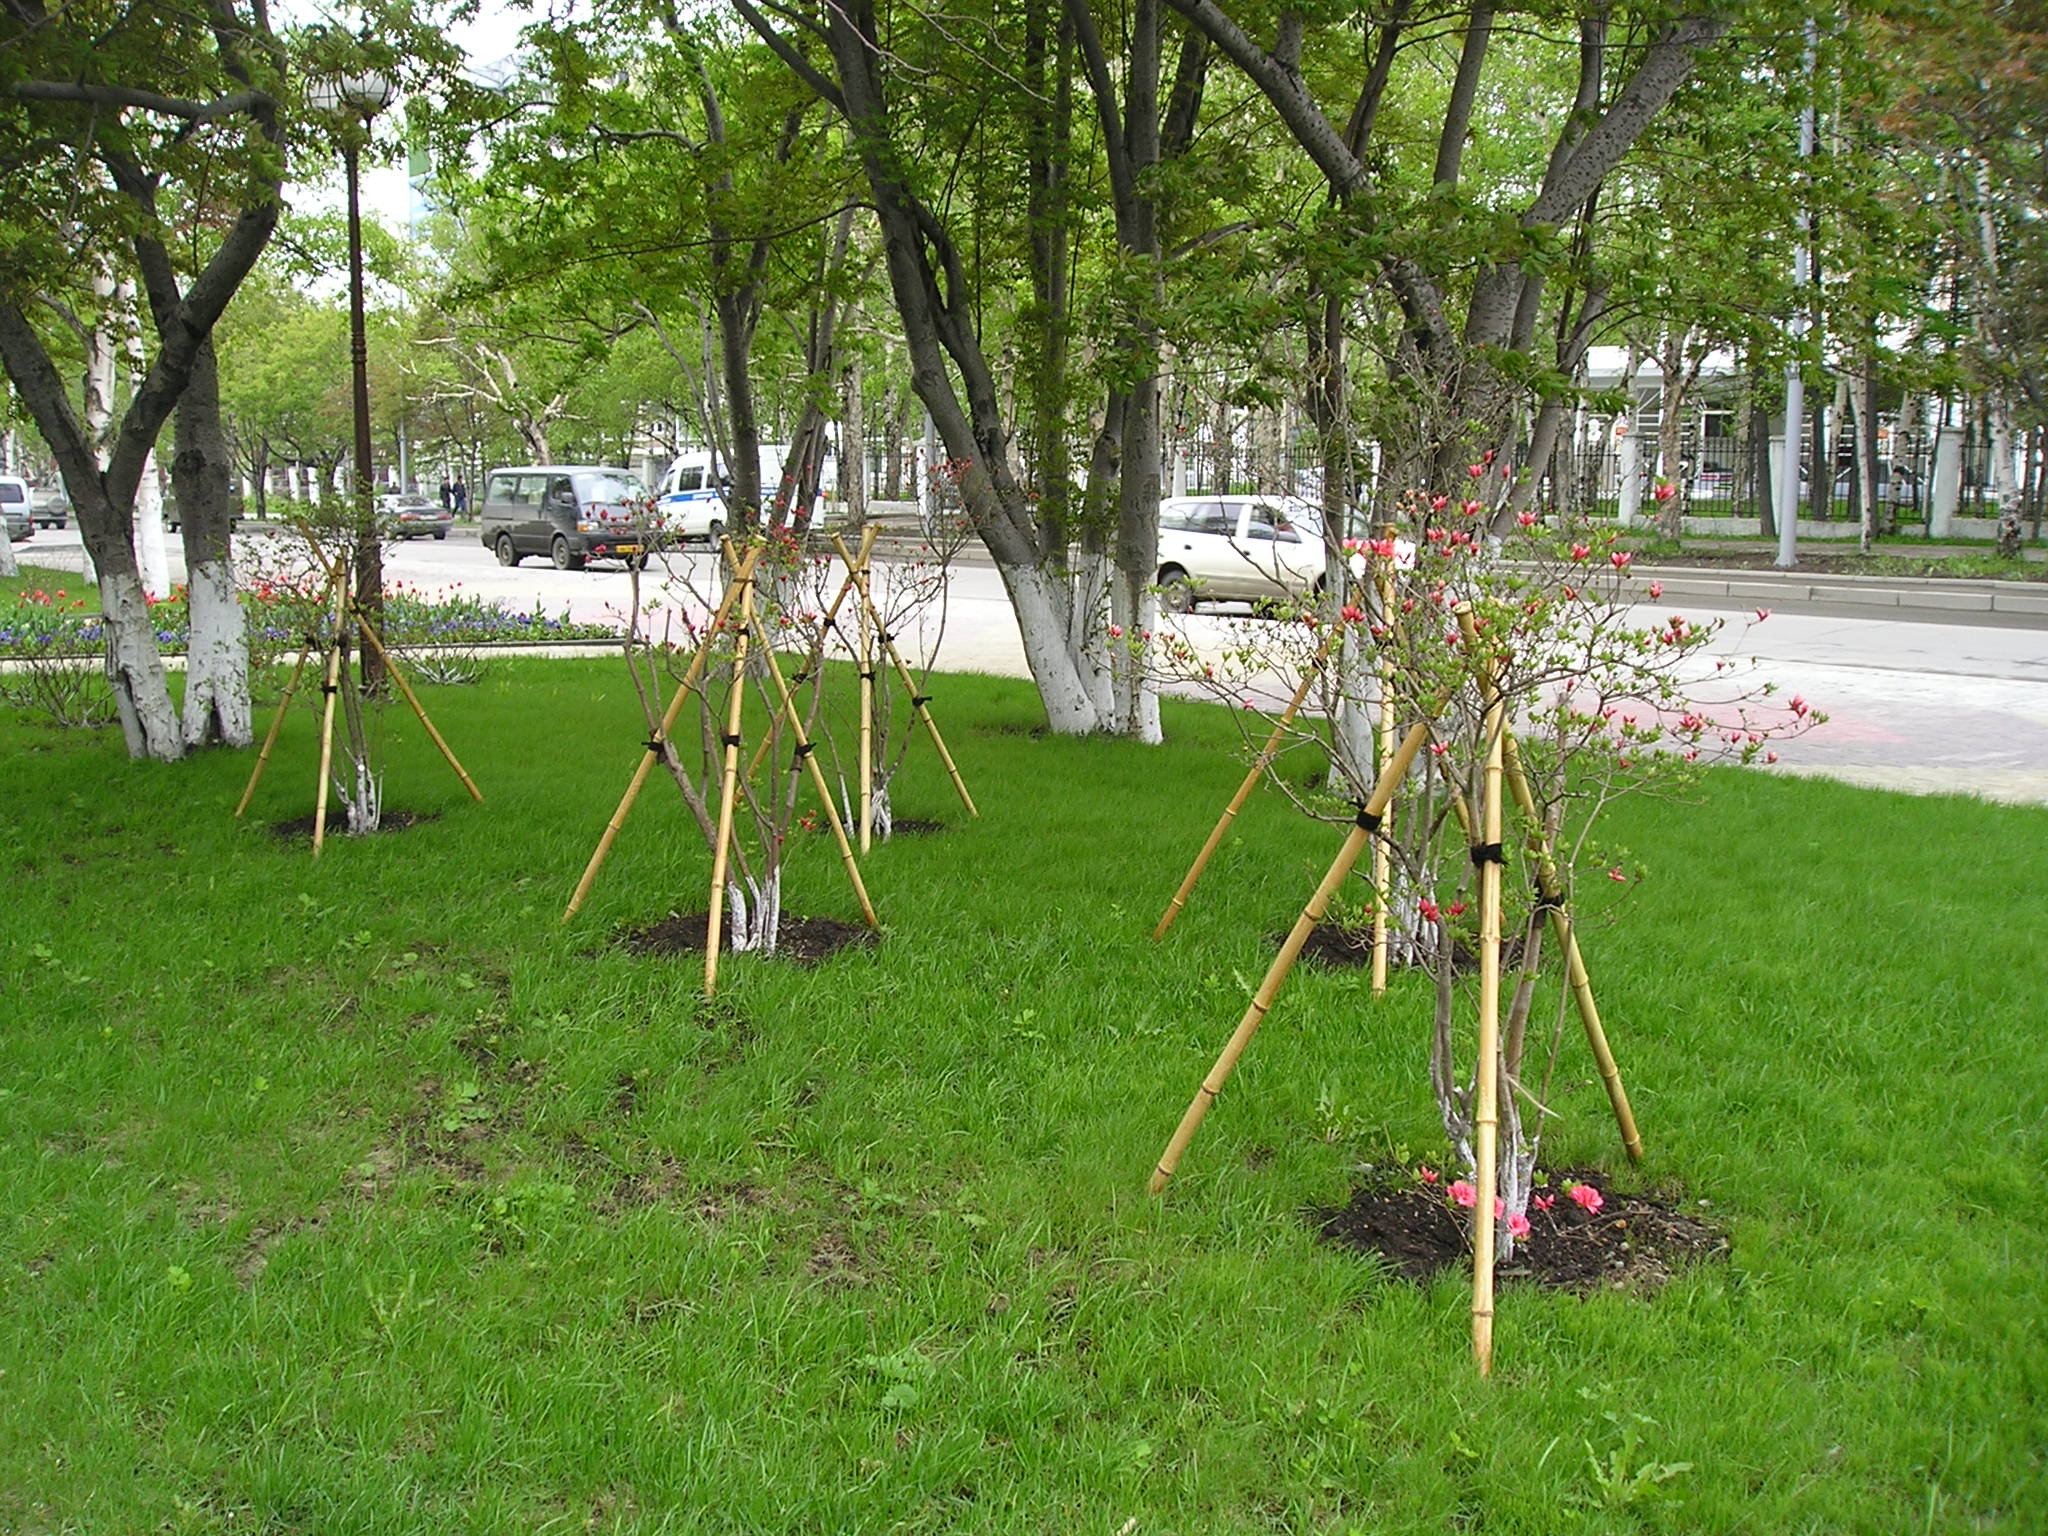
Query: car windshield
x,y
609,486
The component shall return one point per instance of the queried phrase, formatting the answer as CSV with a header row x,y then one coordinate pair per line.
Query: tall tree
x,y
149,138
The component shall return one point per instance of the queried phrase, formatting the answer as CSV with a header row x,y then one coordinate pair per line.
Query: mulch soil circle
x,y
1351,948
804,940
1633,1242
913,826
337,823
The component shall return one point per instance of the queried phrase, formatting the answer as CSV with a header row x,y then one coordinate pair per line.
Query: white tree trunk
x,y
135,672
150,550
1085,637
1042,613
216,674
1135,703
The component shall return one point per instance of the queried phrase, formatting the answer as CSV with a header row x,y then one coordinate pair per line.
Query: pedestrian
x,y
447,495
460,493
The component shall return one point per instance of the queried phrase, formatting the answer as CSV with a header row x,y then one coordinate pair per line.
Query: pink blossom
x,y
1427,1174
1587,1198
1656,590
1526,519
1457,909
1580,551
1616,874
1464,1193
1116,631
1762,614
1770,757
1664,490
1429,909
1475,470
1799,706
1518,1225
1544,1202
1499,1207
1620,559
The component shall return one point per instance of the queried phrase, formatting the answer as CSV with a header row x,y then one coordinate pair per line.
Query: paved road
x,y
1948,703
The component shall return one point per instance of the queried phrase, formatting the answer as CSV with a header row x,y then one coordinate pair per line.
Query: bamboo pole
x,y
1382,853
1561,926
270,737
918,702
1262,1000
806,756
816,655
728,792
330,687
652,754
1486,853
1258,769
369,633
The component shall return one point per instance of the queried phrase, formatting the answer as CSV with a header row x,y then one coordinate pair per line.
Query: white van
x,y
691,498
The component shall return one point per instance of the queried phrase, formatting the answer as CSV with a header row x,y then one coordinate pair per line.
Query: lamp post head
x,y
365,92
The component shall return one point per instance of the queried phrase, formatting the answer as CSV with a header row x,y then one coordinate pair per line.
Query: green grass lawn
x,y
363,1196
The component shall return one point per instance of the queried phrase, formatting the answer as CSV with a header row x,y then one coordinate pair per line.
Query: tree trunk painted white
x,y
216,661
2004,481
135,671
150,551
1086,637
8,565
1043,610
1948,482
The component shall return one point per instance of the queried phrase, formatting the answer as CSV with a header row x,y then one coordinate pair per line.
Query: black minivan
x,y
571,513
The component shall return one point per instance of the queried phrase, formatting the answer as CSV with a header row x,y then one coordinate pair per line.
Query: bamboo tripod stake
x,y
806,756
330,687
1548,891
728,790
1347,857
1382,853
1259,766
816,655
346,609
652,754
1486,853
918,701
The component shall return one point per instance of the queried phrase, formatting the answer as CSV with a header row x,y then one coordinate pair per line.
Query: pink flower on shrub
x,y
1587,1198
1620,559
1526,519
1544,1202
1656,590
1762,614
1518,1225
1464,1193
1664,490
1429,909
1427,1174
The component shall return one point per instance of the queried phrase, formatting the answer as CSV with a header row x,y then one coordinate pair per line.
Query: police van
x,y
691,498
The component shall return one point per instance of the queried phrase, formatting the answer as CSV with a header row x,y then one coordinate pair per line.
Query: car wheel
x,y
1176,592
564,558
440,533
507,555
714,533
636,562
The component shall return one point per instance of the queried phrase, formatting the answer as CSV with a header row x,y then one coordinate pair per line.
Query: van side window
x,y
503,488
691,479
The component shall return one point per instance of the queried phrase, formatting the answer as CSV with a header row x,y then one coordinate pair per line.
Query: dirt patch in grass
x,y
1633,1242
1335,944
337,824
913,826
804,940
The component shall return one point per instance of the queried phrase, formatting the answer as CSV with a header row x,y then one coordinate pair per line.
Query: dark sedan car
x,y
412,517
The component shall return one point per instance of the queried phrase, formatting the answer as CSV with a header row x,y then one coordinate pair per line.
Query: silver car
x,y
1249,548
15,506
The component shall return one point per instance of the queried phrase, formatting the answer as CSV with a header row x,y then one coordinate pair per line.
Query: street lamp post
x,y
355,99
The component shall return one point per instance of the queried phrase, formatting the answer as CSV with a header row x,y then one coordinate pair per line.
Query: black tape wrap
x,y
804,749
730,741
1549,901
1488,853
1368,819
656,745
919,700
868,676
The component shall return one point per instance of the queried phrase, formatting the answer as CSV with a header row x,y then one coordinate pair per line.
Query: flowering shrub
x,y
42,640
1440,616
